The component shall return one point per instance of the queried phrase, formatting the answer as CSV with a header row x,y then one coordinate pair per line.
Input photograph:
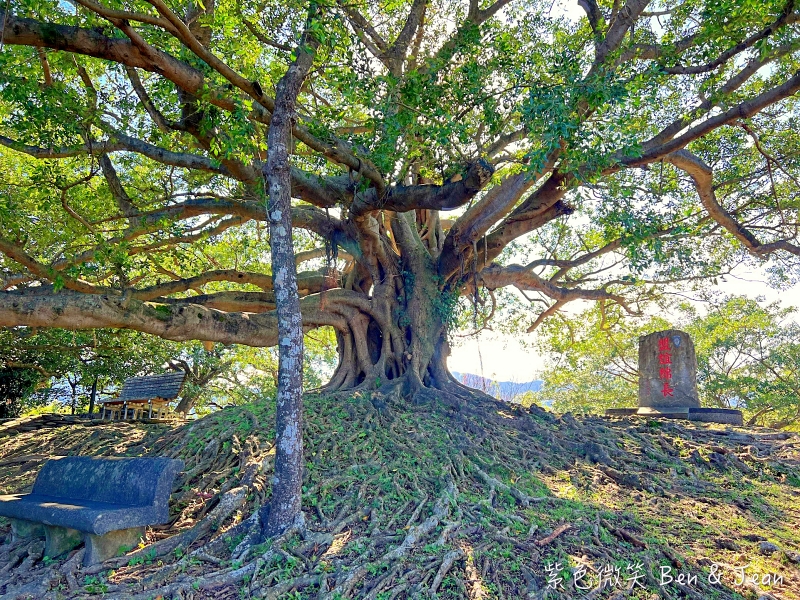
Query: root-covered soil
x,y
484,500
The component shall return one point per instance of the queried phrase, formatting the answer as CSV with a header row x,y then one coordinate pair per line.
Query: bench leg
x,y
20,528
103,547
60,540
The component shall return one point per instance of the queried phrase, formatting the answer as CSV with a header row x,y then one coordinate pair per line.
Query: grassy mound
x,y
401,501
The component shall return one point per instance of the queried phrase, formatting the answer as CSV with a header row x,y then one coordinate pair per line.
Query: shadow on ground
x,y
401,501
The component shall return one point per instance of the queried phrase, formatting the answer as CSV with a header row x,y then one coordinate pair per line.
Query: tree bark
x,y
284,509
93,395
74,388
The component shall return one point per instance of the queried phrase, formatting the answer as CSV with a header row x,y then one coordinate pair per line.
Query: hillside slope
x,y
432,501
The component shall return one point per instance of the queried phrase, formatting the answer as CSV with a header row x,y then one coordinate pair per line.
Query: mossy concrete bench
x,y
105,503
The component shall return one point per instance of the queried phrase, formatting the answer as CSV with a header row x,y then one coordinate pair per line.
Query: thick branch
x,y
361,24
185,35
30,32
178,322
475,18
158,118
121,142
62,152
18,255
730,86
654,151
702,175
519,276
397,53
541,207
783,19
593,14
437,197
121,197
120,15
325,192
304,217
619,27
495,205
548,312
654,51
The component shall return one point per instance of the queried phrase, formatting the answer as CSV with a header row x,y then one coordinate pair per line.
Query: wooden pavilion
x,y
145,398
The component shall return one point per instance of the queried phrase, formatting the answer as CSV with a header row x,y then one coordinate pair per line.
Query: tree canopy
x,y
646,143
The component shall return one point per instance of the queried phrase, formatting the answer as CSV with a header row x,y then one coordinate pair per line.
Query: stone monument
x,y
667,372
668,381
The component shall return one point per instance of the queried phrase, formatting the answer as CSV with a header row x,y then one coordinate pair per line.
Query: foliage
x,y
592,360
747,354
236,375
16,387
70,363
749,357
601,156
56,368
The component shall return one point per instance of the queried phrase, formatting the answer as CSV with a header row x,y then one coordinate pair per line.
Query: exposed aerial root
x,y
415,535
453,495
495,484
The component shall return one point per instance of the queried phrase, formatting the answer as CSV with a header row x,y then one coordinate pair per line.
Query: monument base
x,y
728,416
725,416
621,412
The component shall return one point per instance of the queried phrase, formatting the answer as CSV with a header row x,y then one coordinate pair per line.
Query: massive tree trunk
x,y
395,310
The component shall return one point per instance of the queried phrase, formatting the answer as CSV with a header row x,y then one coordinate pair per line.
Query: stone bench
x,y
104,502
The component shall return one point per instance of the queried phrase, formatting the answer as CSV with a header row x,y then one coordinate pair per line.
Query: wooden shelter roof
x,y
165,387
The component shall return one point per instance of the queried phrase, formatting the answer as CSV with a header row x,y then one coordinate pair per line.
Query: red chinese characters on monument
x,y
665,372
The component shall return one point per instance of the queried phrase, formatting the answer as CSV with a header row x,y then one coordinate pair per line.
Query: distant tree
x,y
77,367
511,391
748,358
508,391
17,384
592,360
478,382
784,398
201,364
220,375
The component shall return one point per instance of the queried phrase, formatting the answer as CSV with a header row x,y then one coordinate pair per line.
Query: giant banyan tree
x,y
442,150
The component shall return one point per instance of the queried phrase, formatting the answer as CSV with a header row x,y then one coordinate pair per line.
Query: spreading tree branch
x,y
496,276
702,175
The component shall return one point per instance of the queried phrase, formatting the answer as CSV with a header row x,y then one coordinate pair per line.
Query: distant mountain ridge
x,y
504,390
